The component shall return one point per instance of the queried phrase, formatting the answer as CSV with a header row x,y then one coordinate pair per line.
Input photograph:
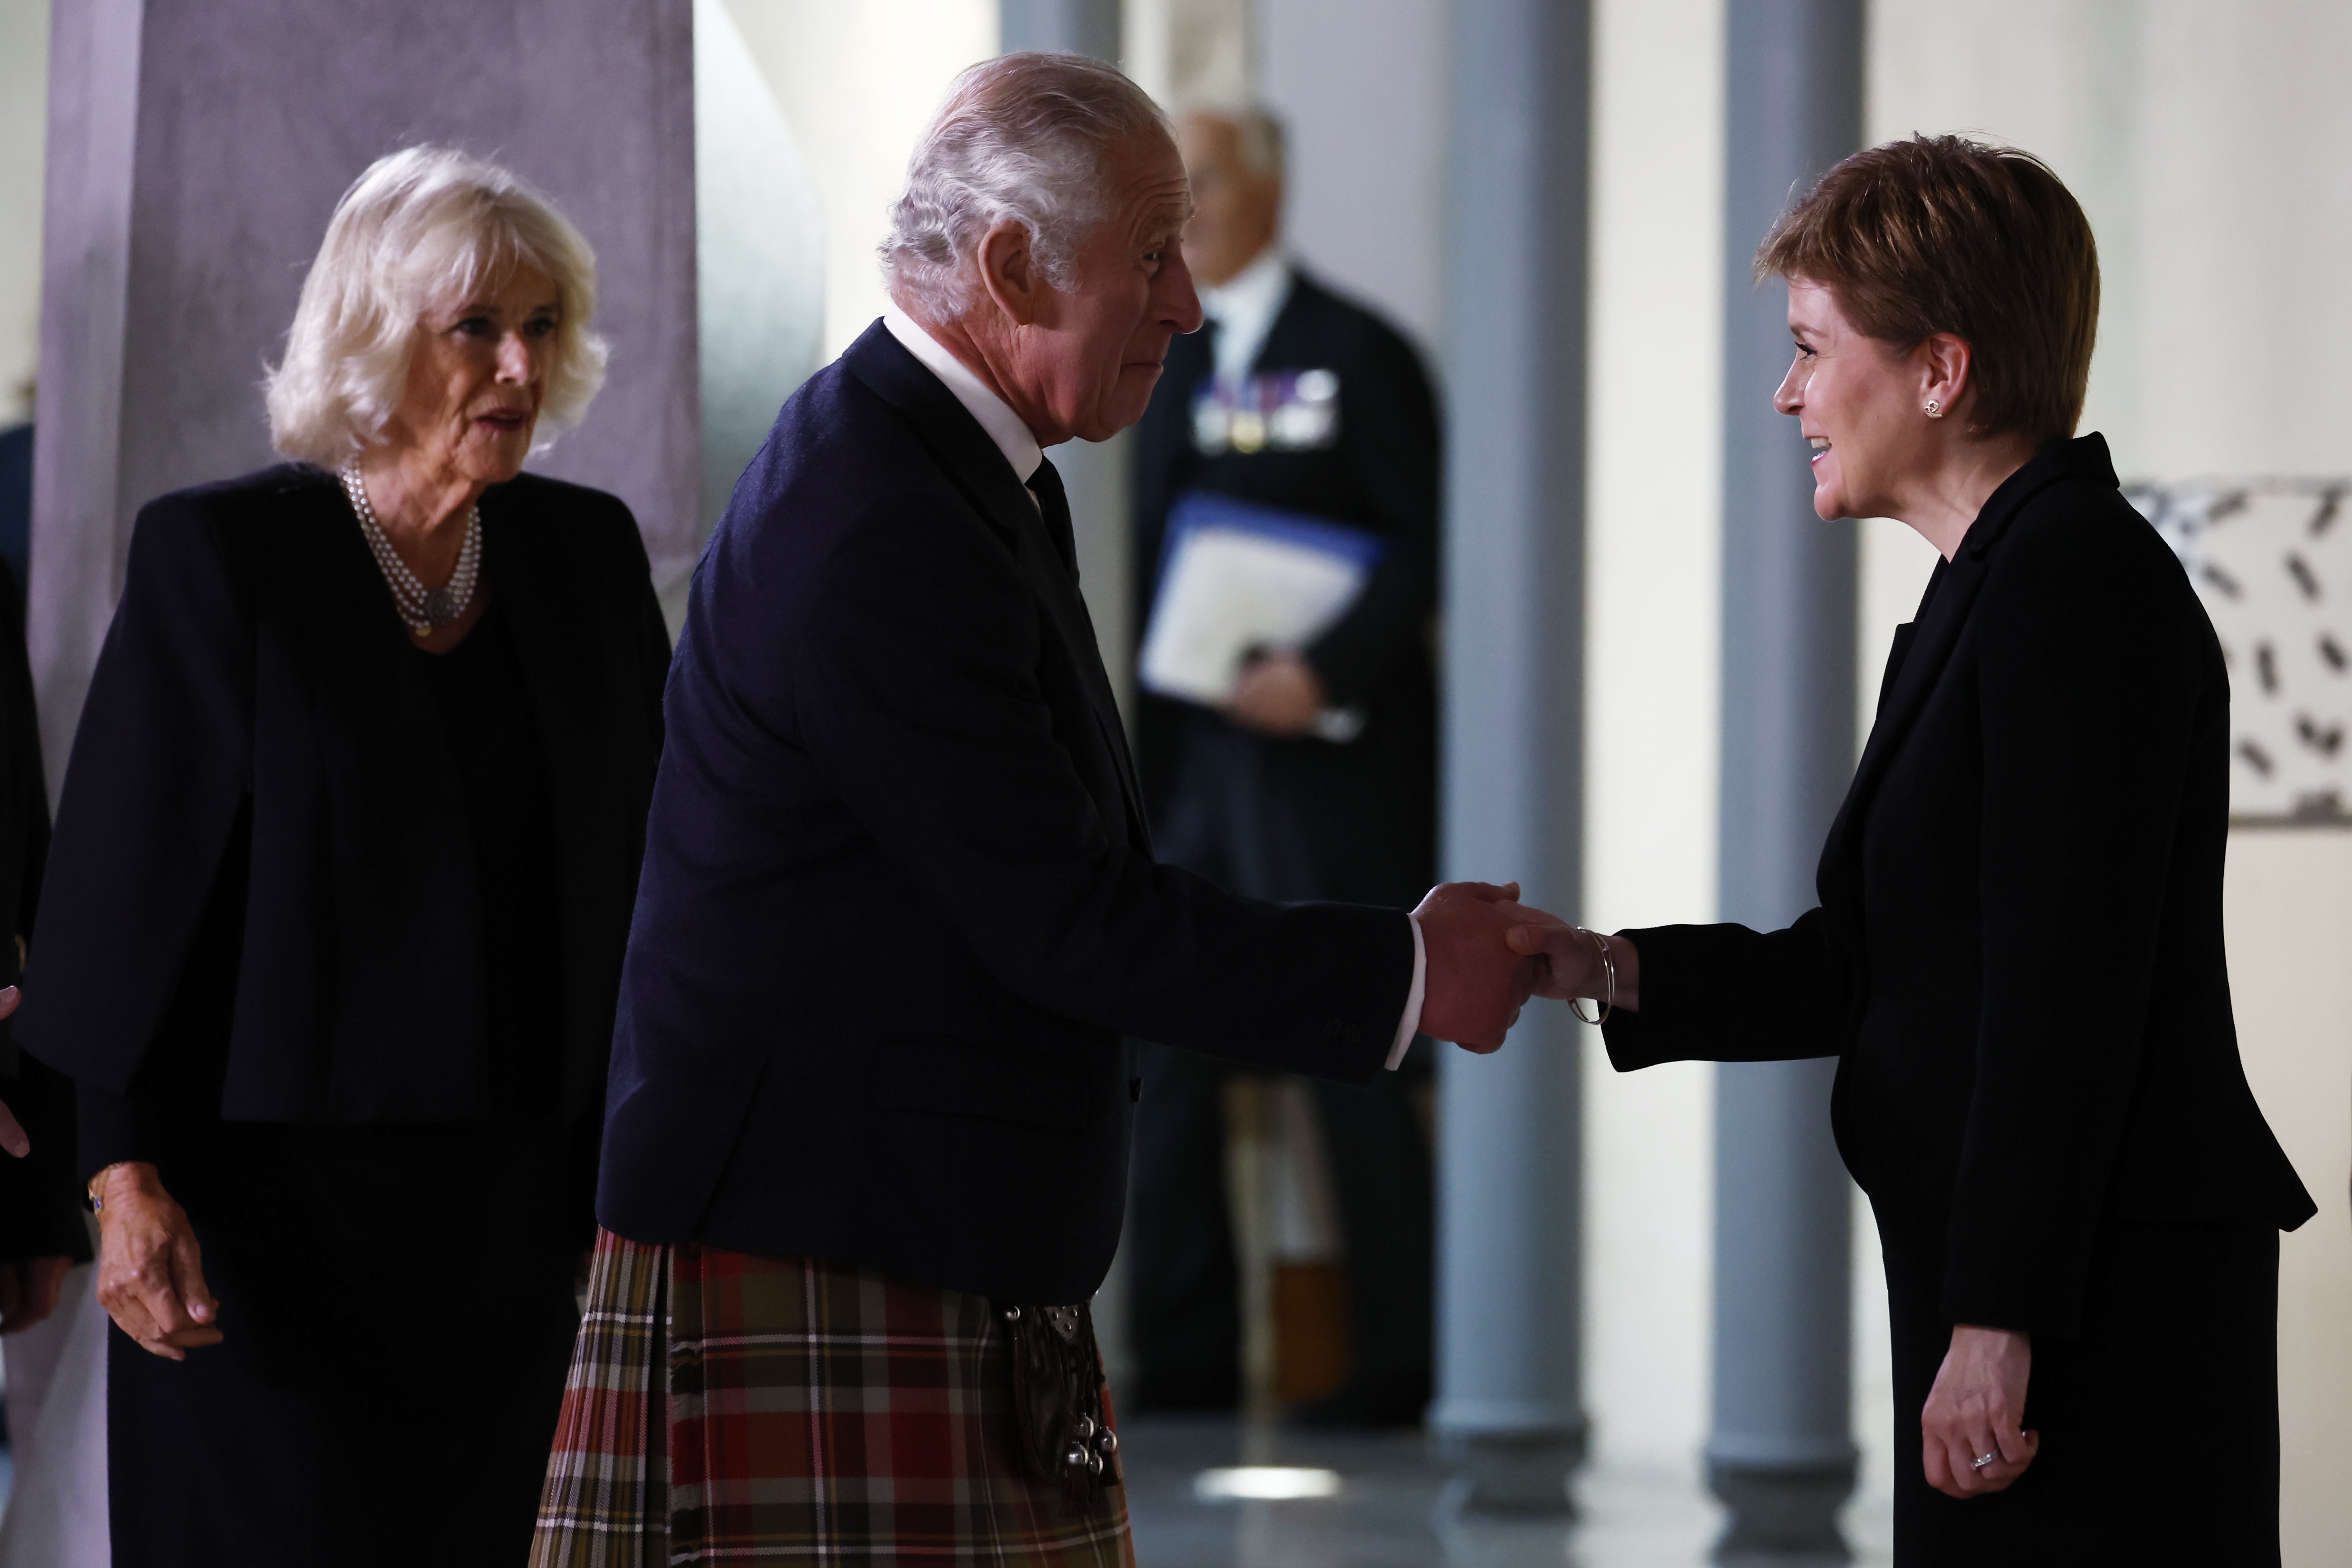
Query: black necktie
x,y
1054,502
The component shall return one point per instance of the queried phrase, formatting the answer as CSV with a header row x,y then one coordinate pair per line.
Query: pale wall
x,y
23,117
858,83
1654,509
1361,84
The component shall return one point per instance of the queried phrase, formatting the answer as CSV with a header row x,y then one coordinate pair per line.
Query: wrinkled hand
x,y
29,1289
1475,984
1278,694
150,1277
1978,1407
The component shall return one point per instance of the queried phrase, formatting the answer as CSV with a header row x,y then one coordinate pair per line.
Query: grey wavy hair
x,y
1022,136
423,229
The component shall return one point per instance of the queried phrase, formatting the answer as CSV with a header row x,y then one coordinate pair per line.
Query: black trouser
x,y
1233,819
2160,1425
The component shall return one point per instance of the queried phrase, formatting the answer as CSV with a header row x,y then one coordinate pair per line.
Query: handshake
x,y
1488,954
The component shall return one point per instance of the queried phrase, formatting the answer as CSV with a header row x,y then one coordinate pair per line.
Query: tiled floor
x,y
1386,1514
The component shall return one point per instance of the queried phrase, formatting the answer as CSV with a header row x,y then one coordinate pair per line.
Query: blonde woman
x,y
343,874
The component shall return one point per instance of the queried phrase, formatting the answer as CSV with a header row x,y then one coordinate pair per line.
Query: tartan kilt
x,y
804,1409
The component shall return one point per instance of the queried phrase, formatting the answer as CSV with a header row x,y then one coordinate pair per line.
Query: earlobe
x,y
1007,274
1948,364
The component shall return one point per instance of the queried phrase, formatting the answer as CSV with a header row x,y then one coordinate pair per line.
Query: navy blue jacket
x,y
898,904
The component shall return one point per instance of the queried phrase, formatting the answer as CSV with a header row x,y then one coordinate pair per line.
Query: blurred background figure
x,y
1314,778
346,854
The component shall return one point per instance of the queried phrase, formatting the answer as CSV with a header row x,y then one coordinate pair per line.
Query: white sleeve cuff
x,y
1410,1025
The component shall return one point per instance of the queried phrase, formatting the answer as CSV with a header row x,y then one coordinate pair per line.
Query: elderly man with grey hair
x,y
866,1135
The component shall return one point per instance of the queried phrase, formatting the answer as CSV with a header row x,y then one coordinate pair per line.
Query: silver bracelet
x,y
1609,964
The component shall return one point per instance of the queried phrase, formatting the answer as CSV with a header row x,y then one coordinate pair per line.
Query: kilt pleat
x,y
814,1410
605,1503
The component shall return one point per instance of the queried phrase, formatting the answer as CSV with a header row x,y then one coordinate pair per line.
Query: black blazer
x,y
2018,953
899,903
1376,797
259,752
40,1196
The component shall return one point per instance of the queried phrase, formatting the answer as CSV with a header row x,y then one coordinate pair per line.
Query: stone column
x,y
1061,26
196,149
1780,1452
1509,1415
1096,473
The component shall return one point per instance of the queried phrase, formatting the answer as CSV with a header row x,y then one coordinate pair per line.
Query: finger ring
x,y
1979,1463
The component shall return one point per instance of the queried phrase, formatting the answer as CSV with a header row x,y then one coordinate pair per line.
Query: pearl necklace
x,y
424,610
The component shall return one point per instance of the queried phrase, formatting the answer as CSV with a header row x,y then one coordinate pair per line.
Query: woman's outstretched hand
x,y
1570,961
150,1277
1978,1409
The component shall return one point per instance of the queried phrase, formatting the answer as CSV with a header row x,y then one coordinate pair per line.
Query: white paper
x,y
1227,594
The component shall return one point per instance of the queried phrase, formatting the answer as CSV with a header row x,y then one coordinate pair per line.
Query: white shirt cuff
x,y
1410,1025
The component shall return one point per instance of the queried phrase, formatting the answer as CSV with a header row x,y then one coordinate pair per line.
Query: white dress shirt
x,y
1013,437
1019,445
1244,307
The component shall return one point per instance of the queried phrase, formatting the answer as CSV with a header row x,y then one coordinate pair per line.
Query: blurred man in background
x,y
1314,778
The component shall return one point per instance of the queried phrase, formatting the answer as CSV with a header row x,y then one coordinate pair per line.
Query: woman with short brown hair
x,y
2018,955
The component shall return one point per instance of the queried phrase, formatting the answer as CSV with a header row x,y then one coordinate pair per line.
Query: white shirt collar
x,y
995,415
1244,307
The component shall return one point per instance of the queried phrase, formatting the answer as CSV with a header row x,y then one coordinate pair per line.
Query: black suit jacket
x,y
2018,954
899,903
1370,805
40,1198
261,889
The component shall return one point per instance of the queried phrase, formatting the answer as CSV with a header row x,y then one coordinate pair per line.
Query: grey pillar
x,y
1509,1414
1780,1452
1096,473
1060,27
196,149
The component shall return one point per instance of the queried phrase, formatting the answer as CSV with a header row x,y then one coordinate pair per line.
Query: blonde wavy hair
x,y
423,229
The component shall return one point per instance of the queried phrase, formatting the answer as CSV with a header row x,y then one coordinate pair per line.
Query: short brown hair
x,y
1940,234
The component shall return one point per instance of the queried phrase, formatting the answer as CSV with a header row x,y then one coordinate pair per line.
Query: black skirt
x,y
397,1313
2160,1426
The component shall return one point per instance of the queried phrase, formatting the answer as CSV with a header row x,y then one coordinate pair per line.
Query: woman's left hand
x,y
1978,1407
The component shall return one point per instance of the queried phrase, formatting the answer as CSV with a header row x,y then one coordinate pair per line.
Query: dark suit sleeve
x,y
1389,433
152,794
654,648
2090,691
917,695
40,1195
632,577
1726,993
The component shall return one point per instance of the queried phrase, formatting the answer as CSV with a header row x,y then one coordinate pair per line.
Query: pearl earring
x,y
1934,409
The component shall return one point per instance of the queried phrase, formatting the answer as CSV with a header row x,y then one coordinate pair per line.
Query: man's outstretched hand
x,y
1474,983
